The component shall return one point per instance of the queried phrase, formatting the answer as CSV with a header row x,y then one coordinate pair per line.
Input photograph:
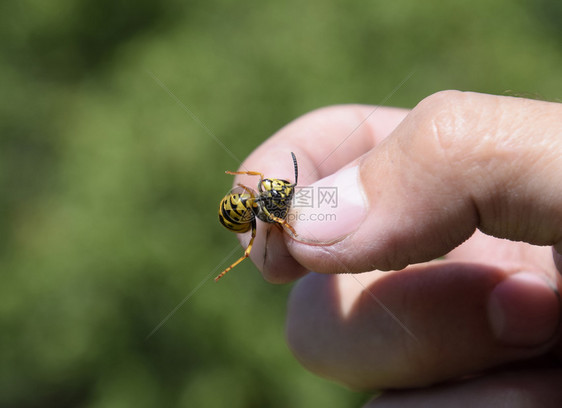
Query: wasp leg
x,y
281,222
246,189
249,173
284,223
246,253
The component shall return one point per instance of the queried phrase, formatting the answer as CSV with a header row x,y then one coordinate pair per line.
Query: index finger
x,y
323,141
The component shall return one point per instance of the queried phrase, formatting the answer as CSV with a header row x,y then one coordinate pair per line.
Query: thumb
x,y
457,162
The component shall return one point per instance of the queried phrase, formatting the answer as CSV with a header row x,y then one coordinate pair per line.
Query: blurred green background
x,y
110,188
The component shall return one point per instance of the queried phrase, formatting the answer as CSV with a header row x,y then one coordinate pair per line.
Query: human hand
x,y
412,187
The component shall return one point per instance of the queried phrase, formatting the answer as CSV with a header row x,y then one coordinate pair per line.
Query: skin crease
x,y
461,177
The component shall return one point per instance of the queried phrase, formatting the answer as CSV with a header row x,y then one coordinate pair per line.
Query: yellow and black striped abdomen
x,y
236,212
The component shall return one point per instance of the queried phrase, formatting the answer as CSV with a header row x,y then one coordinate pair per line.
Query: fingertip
x,y
524,310
514,389
279,267
557,257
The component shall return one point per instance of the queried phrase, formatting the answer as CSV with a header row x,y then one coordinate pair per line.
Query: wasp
x,y
238,211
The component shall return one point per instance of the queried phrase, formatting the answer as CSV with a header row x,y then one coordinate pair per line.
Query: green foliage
x,y
111,175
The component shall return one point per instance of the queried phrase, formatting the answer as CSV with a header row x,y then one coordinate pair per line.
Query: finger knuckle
x,y
441,123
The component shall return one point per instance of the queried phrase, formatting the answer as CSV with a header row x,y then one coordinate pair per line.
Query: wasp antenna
x,y
296,168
